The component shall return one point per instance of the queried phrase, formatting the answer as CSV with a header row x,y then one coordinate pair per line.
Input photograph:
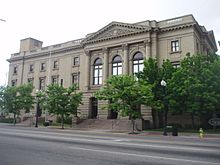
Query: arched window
x,y
117,65
97,72
138,62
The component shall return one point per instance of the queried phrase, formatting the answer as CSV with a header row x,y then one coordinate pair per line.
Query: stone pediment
x,y
115,30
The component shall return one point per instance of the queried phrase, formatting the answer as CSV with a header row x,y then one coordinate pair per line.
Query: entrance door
x,y
94,108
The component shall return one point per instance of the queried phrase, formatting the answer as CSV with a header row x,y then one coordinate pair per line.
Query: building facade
x,y
118,48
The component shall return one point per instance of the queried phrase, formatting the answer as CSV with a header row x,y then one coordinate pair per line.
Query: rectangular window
x,y
175,46
15,70
75,61
75,79
55,80
55,65
176,64
43,66
13,82
42,83
31,68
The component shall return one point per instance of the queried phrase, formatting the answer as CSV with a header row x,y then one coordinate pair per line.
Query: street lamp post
x,y
164,84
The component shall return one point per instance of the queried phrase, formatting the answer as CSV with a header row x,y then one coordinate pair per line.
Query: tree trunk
x,y
193,121
154,120
14,122
133,125
62,121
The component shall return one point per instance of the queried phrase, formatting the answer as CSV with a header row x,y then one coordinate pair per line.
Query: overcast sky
x,y
57,21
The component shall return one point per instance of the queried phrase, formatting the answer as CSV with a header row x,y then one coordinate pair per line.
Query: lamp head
x,y
163,83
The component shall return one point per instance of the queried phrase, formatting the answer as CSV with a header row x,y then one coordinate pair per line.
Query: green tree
x,y
153,74
2,91
60,101
194,86
124,94
14,99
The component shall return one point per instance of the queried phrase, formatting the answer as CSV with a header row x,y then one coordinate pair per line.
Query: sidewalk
x,y
180,134
125,132
141,133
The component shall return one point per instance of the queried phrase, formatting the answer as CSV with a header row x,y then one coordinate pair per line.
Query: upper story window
x,y
31,68
15,70
75,61
55,64
42,83
175,46
97,72
117,65
43,66
138,62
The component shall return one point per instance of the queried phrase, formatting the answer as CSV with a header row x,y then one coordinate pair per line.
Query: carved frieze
x,y
115,30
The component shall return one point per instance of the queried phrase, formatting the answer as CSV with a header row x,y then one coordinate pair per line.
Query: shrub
x,y
6,120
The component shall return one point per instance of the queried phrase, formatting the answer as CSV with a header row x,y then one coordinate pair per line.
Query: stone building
x,y
118,48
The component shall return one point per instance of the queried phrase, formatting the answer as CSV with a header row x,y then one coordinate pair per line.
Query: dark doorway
x,y
94,108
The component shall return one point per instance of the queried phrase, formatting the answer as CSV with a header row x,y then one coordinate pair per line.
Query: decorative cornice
x,y
172,28
35,54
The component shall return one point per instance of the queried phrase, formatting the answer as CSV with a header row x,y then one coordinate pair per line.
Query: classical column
x,y
154,45
147,49
87,70
106,65
126,59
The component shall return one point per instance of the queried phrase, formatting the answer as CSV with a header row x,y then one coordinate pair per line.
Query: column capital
x,y
105,50
147,42
87,52
125,46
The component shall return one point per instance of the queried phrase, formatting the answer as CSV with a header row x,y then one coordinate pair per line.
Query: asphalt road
x,y
30,146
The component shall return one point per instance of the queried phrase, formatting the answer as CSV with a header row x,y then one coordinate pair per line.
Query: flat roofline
x,y
187,15
31,39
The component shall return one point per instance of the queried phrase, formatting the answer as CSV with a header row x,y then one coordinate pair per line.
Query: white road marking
x,y
144,156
